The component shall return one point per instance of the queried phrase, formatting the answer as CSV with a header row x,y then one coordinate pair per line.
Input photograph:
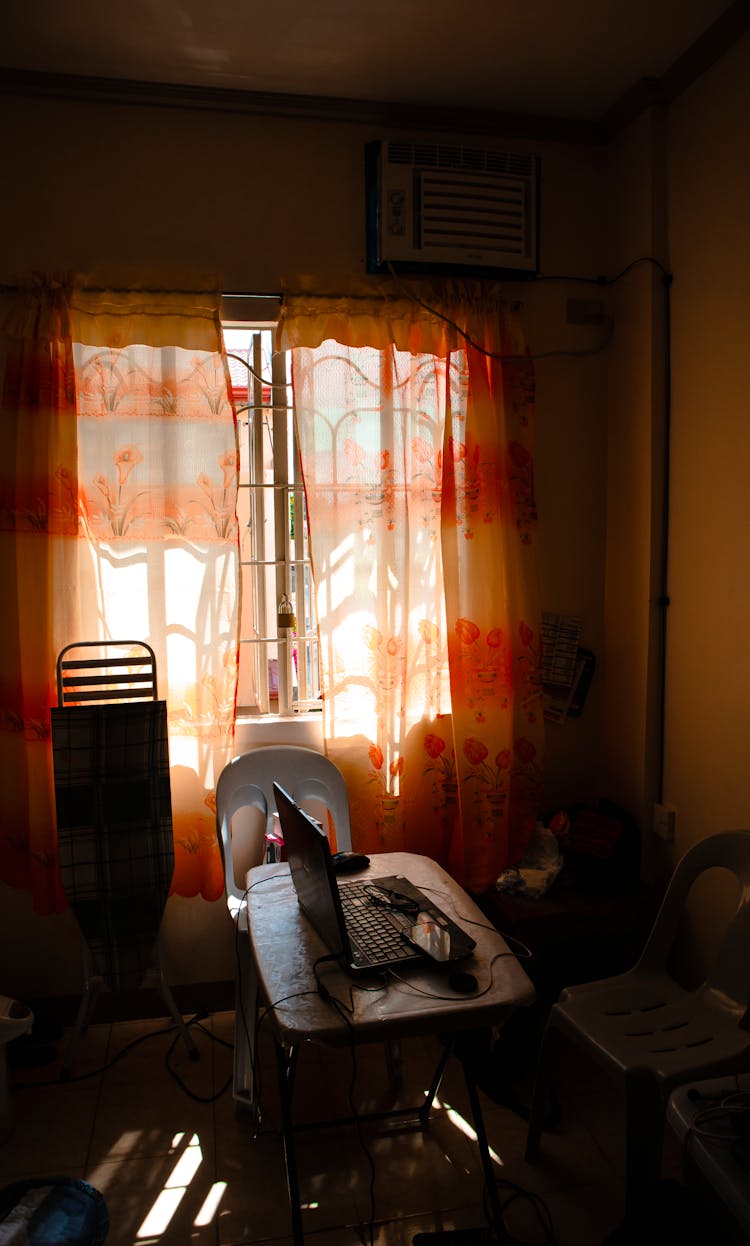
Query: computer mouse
x,y
462,982
349,862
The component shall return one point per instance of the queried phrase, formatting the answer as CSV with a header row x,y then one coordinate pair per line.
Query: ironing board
x,y
114,817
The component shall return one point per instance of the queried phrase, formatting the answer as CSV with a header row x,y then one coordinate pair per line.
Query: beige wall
x,y
254,199
634,494
708,654
679,188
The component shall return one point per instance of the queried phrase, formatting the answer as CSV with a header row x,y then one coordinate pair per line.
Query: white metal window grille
x,y
279,671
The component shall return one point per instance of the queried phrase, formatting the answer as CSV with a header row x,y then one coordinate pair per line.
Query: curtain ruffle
x,y
419,317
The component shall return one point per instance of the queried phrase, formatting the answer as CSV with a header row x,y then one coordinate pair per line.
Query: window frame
x,y
274,545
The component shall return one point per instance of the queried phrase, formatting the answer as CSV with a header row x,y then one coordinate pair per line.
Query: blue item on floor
x,y
52,1211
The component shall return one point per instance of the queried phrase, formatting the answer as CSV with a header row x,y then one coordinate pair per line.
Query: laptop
x,y
366,924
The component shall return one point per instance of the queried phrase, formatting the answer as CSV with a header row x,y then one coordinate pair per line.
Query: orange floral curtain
x,y
414,416
150,473
38,541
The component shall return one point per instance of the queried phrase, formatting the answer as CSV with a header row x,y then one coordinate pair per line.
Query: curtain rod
x,y
226,294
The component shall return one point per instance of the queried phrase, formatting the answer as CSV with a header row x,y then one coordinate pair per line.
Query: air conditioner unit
x,y
451,207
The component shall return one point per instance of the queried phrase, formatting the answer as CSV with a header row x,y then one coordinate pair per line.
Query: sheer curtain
x,y
148,472
416,449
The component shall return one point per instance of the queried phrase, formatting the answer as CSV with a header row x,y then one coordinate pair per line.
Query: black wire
x,y
666,487
124,1051
550,354
82,1077
540,1208
601,280
526,952
489,354
341,1010
212,1098
259,377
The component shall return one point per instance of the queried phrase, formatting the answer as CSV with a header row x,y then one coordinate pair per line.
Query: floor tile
x,y
255,1205
85,1060
416,1170
138,1052
165,1199
139,1119
178,1163
583,1216
51,1129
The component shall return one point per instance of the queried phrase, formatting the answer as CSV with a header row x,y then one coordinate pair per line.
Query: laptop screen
x,y
309,856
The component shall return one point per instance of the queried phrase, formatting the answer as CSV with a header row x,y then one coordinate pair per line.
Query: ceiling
x,y
575,60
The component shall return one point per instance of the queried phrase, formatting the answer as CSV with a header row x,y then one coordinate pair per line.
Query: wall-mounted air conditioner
x,y
449,207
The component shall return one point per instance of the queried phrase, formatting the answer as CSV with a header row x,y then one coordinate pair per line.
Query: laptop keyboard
x,y
369,926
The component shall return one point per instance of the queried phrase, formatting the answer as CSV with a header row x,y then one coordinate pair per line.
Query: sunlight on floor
x,y
210,1204
175,1188
460,1122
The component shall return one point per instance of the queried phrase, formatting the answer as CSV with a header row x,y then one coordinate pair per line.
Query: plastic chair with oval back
x,y
650,1032
246,784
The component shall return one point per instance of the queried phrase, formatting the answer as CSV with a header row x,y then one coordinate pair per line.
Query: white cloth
x,y
538,868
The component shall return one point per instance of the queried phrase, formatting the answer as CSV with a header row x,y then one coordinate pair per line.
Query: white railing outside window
x,y
279,671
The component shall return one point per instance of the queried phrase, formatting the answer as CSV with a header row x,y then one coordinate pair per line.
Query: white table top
x,y
418,1000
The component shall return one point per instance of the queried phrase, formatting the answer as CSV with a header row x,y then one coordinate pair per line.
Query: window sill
x,y
257,731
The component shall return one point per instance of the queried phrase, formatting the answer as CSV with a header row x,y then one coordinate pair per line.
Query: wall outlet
x,y
663,822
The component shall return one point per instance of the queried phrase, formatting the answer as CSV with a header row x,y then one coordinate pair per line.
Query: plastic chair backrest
x,y
728,978
247,782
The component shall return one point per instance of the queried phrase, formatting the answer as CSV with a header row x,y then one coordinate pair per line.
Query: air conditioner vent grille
x,y
491,214
449,207
443,156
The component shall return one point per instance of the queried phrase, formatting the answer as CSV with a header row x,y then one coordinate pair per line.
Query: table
x,y
285,948
694,1112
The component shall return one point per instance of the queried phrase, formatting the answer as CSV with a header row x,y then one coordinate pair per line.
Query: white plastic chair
x,y
650,1032
247,783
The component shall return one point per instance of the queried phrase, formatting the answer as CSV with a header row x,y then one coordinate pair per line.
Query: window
x,y
278,634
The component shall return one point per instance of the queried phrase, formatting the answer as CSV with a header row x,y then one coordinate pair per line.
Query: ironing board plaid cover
x,y
114,823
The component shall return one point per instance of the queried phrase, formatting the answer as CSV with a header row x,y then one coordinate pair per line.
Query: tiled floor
x,y
179,1168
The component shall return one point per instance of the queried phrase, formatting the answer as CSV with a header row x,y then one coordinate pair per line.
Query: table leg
x,y
426,1107
495,1233
286,1063
490,1182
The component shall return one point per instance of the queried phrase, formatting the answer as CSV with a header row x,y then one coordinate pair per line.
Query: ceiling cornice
x,y
733,23
646,93
297,107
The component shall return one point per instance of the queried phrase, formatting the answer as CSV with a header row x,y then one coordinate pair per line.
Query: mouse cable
x,y
341,1010
525,953
454,998
353,985
322,989
262,1012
